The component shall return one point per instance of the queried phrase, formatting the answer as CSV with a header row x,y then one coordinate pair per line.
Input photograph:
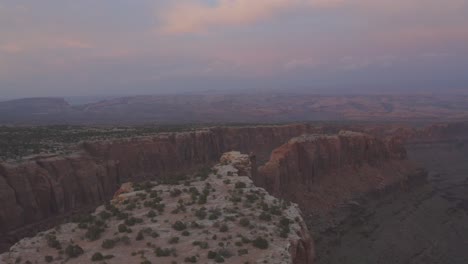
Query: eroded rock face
x,y
39,189
320,172
204,220
44,187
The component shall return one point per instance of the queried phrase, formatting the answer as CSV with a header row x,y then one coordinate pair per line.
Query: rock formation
x,y
322,171
39,188
219,218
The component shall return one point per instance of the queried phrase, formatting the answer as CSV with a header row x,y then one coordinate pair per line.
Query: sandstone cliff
x,y
320,171
40,188
222,218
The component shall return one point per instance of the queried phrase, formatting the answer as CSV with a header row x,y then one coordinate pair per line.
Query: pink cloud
x,y
11,48
192,17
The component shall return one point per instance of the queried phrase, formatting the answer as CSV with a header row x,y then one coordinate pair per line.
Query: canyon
x,y
209,219
321,167
250,107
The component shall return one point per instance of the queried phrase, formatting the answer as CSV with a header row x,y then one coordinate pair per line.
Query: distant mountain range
x,y
244,108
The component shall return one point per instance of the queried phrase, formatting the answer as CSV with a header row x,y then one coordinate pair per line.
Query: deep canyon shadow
x,y
425,224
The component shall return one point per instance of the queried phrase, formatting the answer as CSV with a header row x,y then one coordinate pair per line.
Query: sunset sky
x,y
120,47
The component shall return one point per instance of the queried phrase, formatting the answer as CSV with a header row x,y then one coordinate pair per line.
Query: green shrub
x,y
163,252
94,232
140,236
132,221
260,243
151,214
219,259
240,185
123,228
223,228
105,215
202,245
265,216
212,254
201,213
73,251
108,243
176,192
173,240
244,222
53,242
242,252
191,259
179,226
97,257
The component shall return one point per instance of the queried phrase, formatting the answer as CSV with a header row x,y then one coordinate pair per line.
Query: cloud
x,y
193,16
189,16
10,48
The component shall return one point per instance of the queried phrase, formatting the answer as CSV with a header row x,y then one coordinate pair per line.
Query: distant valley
x,y
232,108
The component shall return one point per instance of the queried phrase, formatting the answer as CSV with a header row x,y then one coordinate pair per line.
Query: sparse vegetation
x,y
260,243
73,251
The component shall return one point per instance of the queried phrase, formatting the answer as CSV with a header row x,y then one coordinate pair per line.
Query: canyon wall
x,y
40,188
321,171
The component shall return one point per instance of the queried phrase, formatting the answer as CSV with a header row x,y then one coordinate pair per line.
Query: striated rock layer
x,y
321,171
40,188
140,224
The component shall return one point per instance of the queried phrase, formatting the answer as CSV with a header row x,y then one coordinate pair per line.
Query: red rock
x,y
319,172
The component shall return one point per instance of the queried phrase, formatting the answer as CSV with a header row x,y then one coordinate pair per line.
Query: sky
x,y
123,47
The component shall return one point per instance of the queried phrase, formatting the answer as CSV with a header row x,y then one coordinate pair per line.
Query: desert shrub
x,y
201,244
108,243
179,226
284,227
151,214
124,239
105,215
242,252
275,210
265,216
176,192
94,232
186,233
224,252
214,214
140,236
202,199
48,259
240,185
203,173
97,257
53,242
123,228
163,252
191,259
244,222
212,254
73,251
260,243
223,228
201,213
173,240
132,221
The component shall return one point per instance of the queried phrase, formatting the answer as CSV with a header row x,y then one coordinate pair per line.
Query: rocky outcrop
x,y
181,221
320,171
44,187
39,189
